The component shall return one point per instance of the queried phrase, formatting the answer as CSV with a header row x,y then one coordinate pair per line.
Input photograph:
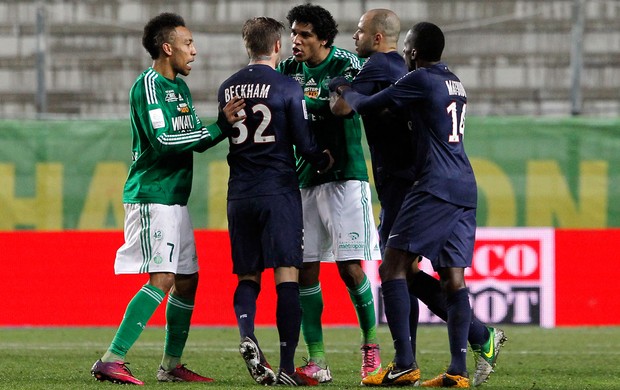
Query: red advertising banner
x,y
67,279
587,272
519,275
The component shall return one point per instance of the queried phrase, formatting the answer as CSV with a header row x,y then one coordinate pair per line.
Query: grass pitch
x,y
532,359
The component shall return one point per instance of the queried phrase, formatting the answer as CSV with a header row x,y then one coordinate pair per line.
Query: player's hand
x,y
338,105
232,110
331,162
337,82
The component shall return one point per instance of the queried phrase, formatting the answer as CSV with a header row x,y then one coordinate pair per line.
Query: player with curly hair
x,y
338,220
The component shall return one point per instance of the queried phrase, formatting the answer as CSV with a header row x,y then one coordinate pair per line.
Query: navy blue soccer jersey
x,y
261,155
436,101
387,132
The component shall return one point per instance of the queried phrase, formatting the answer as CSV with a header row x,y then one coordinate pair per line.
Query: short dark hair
x,y
157,32
429,41
323,23
259,34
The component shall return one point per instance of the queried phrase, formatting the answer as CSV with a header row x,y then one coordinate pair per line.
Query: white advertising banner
x,y
511,281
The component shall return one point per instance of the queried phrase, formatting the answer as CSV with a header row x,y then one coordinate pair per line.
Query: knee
x,y
185,286
388,271
396,264
351,273
163,281
452,286
309,274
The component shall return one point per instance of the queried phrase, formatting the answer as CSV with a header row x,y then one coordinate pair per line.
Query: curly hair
x,y
158,30
323,23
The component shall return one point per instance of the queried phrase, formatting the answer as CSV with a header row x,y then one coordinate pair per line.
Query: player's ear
x,y
166,48
378,37
414,54
278,46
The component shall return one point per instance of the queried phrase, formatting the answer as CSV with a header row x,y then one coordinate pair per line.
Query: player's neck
x,y
269,60
425,64
387,47
164,69
319,57
388,50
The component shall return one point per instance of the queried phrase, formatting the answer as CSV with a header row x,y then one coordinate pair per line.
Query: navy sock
x,y
414,317
244,302
397,310
459,317
428,290
478,332
288,321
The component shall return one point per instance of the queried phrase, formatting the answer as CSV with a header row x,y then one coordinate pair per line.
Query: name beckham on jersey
x,y
247,91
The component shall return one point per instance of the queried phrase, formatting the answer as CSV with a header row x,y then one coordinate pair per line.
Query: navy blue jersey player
x,y
264,203
388,135
389,141
261,155
438,216
390,147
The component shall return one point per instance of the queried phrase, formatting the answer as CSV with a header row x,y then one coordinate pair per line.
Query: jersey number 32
x,y
260,129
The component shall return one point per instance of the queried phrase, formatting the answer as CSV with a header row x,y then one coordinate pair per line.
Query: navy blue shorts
x,y
441,231
265,232
391,193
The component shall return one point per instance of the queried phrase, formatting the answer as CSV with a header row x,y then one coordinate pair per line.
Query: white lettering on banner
x,y
512,278
519,260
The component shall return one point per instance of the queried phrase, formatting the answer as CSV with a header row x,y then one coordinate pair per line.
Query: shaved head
x,y
386,22
377,31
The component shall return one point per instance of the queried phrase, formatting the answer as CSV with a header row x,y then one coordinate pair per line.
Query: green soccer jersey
x,y
165,133
342,136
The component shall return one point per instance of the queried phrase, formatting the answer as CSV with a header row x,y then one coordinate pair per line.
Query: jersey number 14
x,y
458,124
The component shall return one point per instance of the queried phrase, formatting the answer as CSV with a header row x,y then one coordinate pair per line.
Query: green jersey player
x,y
163,154
337,213
159,238
341,134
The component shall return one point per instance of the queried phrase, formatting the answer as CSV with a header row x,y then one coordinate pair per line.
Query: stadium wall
x,y
514,56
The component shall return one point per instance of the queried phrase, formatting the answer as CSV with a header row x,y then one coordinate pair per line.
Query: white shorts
x,y
338,222
158,238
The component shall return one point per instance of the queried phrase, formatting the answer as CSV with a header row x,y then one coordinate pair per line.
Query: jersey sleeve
x,y
299,126
372,73
172,128
411,87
